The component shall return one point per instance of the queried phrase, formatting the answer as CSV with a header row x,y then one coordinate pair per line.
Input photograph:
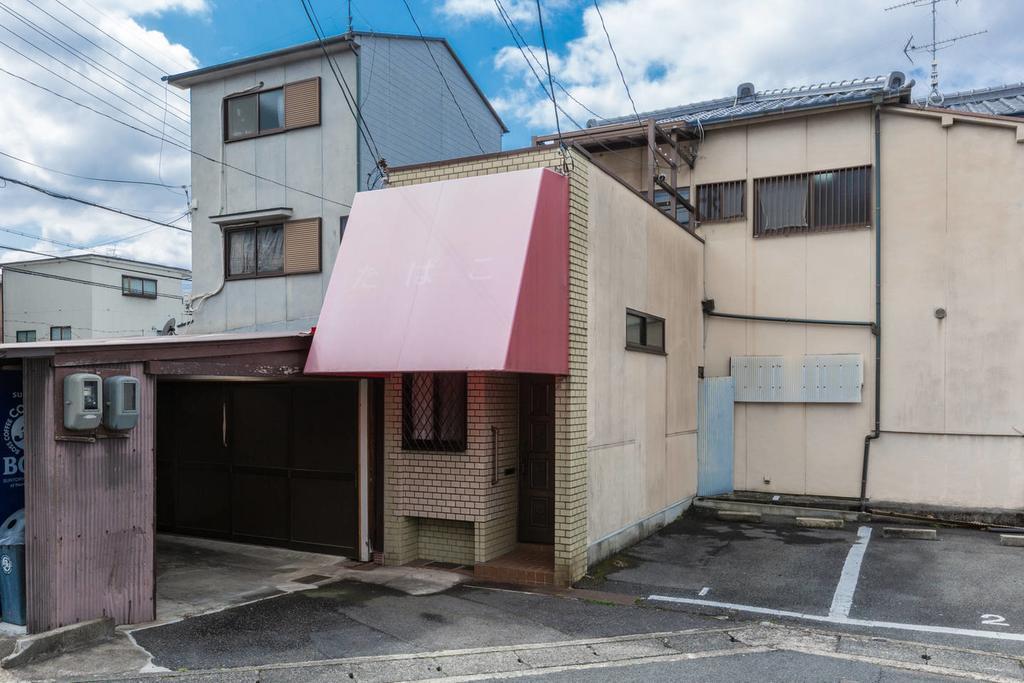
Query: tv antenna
x,y
934,97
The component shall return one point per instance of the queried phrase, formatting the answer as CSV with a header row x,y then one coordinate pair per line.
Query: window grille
x,y
722,201
808,202
434,411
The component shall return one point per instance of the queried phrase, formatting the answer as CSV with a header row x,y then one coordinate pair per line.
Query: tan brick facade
x,y
457,487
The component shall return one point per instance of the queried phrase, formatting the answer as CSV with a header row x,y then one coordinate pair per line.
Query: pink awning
x,y
469,274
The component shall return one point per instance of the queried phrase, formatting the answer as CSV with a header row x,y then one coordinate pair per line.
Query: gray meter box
x,y
121,402
83,401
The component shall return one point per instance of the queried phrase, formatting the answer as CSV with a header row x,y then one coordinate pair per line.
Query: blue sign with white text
x,y
12,444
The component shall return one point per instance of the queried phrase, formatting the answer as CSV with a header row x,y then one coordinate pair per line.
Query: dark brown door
x,y
273,464
537,459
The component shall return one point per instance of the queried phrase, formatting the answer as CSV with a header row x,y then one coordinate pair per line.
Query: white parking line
x,y
845,621
842,601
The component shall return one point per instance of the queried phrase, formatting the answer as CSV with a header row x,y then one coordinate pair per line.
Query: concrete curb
x,y
819,523
715,507
1012,540
40,646
916,533
739,516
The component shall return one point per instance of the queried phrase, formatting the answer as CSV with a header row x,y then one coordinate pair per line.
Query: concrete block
x,y
819,523
1014,540
40,646
737,516
917,533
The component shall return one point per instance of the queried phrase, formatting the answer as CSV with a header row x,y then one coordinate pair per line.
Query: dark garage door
x,y
273,464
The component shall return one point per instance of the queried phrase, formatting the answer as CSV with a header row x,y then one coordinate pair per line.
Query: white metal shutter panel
x,y
302,103
302,246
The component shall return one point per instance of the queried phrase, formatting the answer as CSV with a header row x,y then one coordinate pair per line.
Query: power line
x,y
86,202
617,65
551,83
113,38
77,86
85,177
511,25
74,280
171,141
170,58
350,98
89,40
443,78
75,52
76,257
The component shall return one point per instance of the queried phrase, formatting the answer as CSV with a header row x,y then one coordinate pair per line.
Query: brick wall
x,y
409,495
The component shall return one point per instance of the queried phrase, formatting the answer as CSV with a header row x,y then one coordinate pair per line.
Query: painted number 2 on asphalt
x,y
993,620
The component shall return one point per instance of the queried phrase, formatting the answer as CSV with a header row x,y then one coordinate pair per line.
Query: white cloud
x,y
672,57
55,133
521,11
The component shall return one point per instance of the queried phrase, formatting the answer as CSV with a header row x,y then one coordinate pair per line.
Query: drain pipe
x,y
877,431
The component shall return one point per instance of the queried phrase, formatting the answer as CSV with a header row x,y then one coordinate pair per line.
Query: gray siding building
x,y
278,156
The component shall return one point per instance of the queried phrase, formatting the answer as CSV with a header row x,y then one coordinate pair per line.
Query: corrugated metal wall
x,y
89,513
715,435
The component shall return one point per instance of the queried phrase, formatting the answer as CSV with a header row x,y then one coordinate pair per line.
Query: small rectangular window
x,y
138,286
722,201
807,202
128,397
23,336
62,333
242,117
289,248
644,332
434,411
271,110
663,200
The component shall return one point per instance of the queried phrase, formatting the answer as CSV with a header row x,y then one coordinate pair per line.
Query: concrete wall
x,y
951,217
409,110
641,407
320,161
98,310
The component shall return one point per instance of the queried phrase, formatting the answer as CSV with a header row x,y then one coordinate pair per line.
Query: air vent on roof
x,y
896,80
745,92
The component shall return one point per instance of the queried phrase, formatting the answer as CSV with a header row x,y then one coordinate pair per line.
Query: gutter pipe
x,y
709,310
877,431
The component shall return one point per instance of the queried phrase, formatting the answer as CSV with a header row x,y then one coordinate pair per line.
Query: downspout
x,y
877,431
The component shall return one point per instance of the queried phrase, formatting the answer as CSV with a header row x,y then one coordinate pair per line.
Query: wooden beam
x,y
275,364
651,166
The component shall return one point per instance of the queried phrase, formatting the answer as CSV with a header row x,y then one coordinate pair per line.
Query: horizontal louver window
x,y
302,246
302,103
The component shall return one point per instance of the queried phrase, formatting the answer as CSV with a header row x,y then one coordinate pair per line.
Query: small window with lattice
x,y
434,411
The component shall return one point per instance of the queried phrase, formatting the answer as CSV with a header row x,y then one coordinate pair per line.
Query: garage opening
x,y
266,463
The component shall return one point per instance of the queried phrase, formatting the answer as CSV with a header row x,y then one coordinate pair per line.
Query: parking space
x,y
963,587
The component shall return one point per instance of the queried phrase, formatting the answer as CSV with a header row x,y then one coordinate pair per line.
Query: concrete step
x,y
820,522
916,533
713,506
739,516
1013,540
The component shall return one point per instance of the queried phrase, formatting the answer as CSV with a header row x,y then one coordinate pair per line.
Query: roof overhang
x,y
456,275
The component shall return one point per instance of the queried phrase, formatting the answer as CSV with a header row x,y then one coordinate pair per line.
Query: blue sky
x,y
671,51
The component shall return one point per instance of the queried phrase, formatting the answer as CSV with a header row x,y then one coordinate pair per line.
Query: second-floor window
x,y
293,105
138,286
62,333
721,201
22,336
644,332
289,248
808,202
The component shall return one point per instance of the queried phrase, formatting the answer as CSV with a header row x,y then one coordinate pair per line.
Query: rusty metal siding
x,y
90,514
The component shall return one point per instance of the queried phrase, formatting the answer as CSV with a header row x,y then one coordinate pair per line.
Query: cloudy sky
x,y
110,55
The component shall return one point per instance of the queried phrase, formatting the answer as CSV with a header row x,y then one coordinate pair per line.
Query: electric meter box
x,y
83,401
120,402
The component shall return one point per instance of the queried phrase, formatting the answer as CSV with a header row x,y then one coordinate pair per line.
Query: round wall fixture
x,y
940,313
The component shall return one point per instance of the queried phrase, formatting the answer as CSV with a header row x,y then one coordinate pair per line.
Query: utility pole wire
x,y
172,142
86,202
76,257
443,78
85,177
551,82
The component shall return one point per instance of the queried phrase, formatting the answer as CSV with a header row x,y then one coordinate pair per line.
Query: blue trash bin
x,y
12,568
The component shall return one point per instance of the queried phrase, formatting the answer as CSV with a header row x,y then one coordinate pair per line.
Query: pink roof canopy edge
x,y
455,275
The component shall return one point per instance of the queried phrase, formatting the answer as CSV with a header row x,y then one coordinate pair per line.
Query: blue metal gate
x,y
714,435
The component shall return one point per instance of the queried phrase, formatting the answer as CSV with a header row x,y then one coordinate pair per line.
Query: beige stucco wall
x,y
952,214
641,407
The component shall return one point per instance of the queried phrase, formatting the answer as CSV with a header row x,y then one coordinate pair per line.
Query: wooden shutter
x,y
302,246
302,103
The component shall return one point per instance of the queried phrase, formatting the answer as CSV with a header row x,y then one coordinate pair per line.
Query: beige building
x,y
799,195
